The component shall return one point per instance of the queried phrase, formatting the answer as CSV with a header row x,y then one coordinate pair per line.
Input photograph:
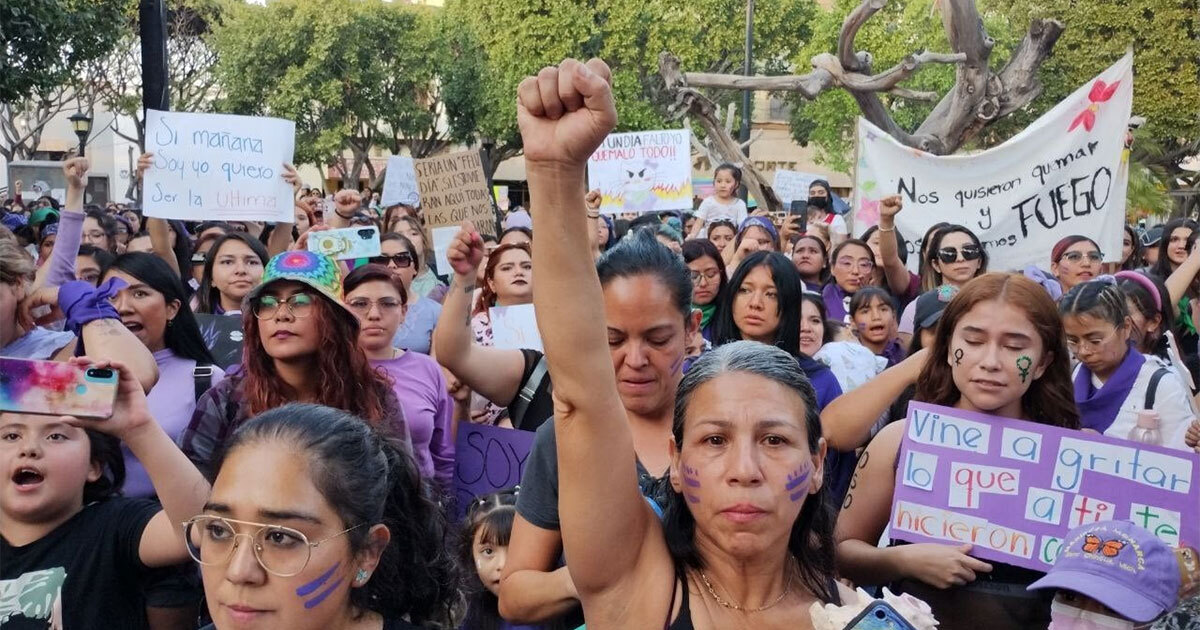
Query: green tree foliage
x,y
515,38
44,42
352,75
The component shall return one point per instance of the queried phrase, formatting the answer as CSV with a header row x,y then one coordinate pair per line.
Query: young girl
x,y
301,345
377,298
724,203
998,351
483,551
1114,383
233,266
340,531
873,311
74,550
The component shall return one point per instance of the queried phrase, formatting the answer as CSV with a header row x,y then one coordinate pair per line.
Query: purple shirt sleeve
x,y
66,248
441,444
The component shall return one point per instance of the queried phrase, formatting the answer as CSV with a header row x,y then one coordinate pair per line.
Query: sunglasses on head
x,y
968,252
401,260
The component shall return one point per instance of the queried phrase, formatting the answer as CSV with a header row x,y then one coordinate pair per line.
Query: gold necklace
x,y
711,591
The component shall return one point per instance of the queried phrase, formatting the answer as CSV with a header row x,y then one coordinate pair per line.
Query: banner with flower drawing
x,y
1064,174
643,171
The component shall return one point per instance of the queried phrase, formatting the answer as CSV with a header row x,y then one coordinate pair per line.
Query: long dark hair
x,y
935,277
816,300
901,244
642,255
1050,399
104,450
487,297
106,223
368,478
695,248
1162,268
811,540
208,297
787,286
1149,305
182,335
1134,261
492,515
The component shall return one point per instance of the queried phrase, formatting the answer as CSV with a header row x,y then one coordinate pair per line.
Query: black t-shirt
x,y
84,574
541,406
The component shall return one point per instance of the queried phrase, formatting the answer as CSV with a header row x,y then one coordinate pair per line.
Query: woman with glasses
x,y
100,230
852,267
954,256
315,520
708,280
377,298
1075,259
301,344
1114,383
420,315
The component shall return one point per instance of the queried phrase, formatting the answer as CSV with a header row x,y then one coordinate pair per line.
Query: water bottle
x,y
1147,430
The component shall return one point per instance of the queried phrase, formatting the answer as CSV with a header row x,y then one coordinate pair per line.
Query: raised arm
x,y
1182,277
159,229
564,114
494,373
61,267
846,422
281,237
893,268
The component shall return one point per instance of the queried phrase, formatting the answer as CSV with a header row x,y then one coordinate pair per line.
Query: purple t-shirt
x,y
428,409
172,402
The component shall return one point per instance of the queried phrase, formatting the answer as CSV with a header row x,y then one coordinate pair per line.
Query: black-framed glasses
x,y
709,276
281,551
1075,257
362,306
299,305
951,254
401,260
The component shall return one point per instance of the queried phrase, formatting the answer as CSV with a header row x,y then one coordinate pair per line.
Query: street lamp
x,y
83,128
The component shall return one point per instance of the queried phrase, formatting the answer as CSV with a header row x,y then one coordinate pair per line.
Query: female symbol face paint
x,y
958,356
1023,365
304,590
690,481
797,483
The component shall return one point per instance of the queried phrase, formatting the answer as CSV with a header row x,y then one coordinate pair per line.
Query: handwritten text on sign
x,y
218,167
1014,489
643,171
487,459
1064,174
454,189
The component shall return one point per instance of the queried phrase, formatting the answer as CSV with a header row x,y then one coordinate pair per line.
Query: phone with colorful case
x,y
346,243
55,388
879,615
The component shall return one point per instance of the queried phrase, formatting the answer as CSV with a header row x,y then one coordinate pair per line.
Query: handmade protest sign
x,y
218,167
1014,489
454,189
643,171
400,183
792,186
1064,174
487,459
515,327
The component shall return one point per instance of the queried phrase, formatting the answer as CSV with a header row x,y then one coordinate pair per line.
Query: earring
x,y
362,576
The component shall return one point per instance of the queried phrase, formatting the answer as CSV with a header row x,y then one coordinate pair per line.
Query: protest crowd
x,y
713,430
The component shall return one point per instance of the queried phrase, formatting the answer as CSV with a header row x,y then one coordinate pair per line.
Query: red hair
x,y
487,297
347,380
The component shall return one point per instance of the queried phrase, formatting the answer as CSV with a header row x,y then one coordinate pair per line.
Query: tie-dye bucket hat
x,y
308,268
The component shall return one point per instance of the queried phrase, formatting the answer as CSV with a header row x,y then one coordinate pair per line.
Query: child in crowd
x,y
723,204
874,313
485,535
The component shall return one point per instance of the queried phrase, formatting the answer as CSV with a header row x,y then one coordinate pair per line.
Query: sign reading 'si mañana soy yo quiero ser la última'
x,y
1013,489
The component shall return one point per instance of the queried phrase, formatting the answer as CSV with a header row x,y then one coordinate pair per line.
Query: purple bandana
x,y
1098,407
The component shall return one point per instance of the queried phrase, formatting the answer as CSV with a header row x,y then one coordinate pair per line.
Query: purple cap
x,y
1120,565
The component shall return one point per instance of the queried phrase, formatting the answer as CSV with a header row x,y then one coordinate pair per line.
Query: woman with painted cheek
x,y
232,268
955,256
874,314
377,298
998,352
1114,383
853,265
708,280
763,304
316,521
415,333
301,344
811,260
1075,259
153,307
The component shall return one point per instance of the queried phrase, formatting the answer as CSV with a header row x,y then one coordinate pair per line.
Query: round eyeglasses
x,y
280,551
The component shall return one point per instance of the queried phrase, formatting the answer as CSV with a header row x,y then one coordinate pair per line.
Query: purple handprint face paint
x,y
690,484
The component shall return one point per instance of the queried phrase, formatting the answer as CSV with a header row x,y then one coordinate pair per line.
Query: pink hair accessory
x,y
1145,282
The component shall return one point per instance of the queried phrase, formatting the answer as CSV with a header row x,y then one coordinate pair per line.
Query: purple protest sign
x,y
487,459
1014,489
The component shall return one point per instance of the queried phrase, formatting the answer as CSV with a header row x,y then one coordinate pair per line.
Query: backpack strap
x,y
202,375
516,411
1152,388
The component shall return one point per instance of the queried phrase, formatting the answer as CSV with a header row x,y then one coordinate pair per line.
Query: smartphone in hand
x,y
879,615
361,241
55,388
